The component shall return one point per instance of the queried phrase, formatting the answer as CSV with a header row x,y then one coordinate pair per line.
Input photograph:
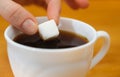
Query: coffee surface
x,y
64,40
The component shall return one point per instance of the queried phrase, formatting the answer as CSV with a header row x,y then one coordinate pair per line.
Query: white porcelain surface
x,y
70,62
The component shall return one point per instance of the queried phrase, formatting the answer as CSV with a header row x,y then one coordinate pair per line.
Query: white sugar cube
x,y
48,30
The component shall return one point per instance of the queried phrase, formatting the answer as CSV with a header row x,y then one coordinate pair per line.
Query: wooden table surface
x,y
102,15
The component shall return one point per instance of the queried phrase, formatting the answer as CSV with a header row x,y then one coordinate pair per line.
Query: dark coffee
x,y
64,40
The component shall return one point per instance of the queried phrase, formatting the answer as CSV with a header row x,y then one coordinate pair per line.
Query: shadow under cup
x,y
37,62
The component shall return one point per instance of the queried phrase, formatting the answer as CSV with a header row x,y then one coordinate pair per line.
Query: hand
x,y
26,22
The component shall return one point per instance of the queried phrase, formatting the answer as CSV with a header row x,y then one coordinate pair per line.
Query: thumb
x,y
18,16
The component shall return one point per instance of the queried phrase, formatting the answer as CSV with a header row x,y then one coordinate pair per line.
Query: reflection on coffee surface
x,y
64,40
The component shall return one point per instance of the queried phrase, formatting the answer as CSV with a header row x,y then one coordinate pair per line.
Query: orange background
x,y
102,15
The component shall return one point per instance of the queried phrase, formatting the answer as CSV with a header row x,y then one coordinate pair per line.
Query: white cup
x,y
68,62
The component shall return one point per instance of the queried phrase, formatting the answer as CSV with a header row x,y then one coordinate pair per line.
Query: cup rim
x,y
50,50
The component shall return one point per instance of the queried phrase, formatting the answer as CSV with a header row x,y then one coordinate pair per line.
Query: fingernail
x,y
29,27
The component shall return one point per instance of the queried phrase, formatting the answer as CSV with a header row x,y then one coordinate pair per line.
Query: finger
x,y
76,4
18,16
82,3
54,9
72,4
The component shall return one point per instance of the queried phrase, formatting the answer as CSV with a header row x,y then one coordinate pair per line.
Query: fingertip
x,y
72,4
82,3
83,6
54,10
76,4
29,27
54,18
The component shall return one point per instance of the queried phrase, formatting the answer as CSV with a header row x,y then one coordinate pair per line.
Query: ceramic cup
x,y
68,62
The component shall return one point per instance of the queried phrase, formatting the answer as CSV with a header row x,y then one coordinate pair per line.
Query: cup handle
x,y
99,56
